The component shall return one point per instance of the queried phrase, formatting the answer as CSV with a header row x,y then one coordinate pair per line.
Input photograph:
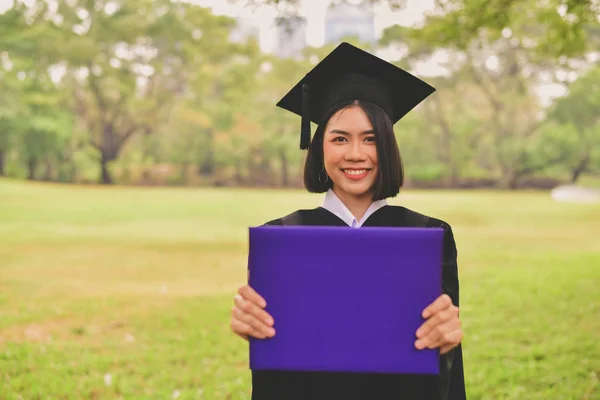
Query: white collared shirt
x,y
334,205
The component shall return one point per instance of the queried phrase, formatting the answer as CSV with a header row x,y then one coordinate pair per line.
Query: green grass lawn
x,y
126,292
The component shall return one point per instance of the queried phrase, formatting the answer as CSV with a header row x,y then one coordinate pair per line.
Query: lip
x,y
356,177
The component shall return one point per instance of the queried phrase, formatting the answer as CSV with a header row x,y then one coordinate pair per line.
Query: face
x,y
350,153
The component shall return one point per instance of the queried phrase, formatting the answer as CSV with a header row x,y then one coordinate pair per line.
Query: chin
x,y
357,192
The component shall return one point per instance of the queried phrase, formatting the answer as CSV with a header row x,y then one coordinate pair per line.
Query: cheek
x,y
331,154
373,155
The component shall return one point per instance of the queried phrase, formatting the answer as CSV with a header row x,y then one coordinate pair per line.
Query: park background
x,y
139,140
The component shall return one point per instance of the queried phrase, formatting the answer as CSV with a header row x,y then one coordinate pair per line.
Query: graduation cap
x,y
350,73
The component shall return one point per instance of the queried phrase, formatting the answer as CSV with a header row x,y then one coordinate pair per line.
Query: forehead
x,y
349,119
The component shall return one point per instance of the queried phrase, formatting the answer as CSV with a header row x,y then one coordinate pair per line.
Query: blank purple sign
x,y
345,300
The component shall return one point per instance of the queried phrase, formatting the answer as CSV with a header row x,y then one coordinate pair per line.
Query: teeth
x,y
356,172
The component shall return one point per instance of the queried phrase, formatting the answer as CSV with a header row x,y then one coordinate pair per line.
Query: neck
x,y
358,205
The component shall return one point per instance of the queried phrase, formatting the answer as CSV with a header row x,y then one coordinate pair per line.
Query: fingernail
x,y
419,344
419,333
269,321
271,332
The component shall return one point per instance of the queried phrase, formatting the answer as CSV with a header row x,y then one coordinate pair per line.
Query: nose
x,y
356,151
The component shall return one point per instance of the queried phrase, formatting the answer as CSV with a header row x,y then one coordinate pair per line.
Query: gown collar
x,y
334,205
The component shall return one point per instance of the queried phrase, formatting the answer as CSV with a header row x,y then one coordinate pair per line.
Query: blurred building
x,y
245,29
291,37
345,19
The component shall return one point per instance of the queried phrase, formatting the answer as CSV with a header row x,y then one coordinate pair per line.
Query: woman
x,y
355,160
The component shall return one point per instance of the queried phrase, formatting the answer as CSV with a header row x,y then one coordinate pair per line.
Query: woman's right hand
x,y
248,317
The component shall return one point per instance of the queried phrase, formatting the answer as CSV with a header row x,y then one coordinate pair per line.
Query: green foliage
x,y
152,87
581,105
494,117
558,28
577,122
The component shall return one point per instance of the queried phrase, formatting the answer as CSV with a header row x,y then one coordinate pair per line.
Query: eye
x,y
371,139
339,139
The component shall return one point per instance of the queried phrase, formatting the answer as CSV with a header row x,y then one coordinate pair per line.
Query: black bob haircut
x,y
391,170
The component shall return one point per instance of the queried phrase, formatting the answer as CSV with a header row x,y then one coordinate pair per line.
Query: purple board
x,y
345,300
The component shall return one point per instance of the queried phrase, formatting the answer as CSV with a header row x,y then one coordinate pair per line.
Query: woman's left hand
x,y
442,328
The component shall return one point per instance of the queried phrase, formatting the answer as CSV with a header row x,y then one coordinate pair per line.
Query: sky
x,y
314,11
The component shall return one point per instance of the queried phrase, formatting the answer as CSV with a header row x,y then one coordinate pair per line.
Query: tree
x,y
505,48
10,107
34,123
282,128
126,62
574,128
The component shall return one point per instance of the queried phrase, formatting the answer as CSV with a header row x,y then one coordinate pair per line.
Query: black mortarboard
x,y
349,73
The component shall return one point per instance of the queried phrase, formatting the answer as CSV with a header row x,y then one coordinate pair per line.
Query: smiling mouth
x,y
356,171
355,174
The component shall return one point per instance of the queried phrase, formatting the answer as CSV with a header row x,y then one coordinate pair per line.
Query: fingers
x,y
248,318
440,317
442,302
254,323
442,328
441,335
447,347
250,294
450,341
244,330
247,307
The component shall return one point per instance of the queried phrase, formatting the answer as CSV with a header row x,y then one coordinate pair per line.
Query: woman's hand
x,y
248,317
442,328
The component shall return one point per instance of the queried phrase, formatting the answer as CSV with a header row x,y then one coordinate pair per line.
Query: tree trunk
x,y
32,164
264,169
510,178
2,171
111,146
185,179
105,178
285,169
580,169
513,181
238,172
48,171
207,165
454,175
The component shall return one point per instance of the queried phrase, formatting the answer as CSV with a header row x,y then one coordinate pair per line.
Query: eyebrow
x,y
341,132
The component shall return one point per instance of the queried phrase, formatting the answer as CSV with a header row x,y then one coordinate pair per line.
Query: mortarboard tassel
x,y
305,129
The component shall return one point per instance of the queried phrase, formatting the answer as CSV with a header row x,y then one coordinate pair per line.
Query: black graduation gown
x,y
449,385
